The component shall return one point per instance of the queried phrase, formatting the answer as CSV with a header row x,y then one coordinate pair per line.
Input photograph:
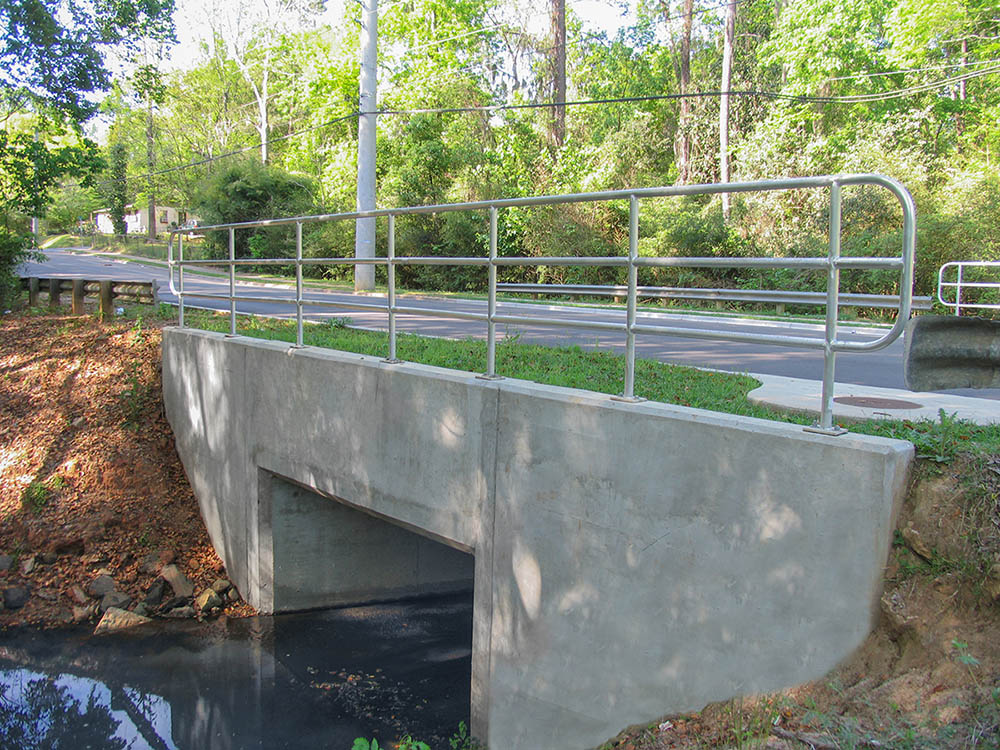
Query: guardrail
x,y
961,283
830,265
760,296
106,291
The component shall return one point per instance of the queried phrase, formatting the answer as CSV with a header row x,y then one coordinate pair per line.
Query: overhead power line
x,y
949,66
800,98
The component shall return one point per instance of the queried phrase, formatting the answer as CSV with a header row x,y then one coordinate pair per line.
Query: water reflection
x,y
305,680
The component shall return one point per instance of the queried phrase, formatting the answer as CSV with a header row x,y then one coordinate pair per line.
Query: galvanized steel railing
x,y
832,264
961,283
756,296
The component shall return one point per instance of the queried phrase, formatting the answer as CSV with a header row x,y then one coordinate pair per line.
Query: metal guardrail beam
x,y
961,283
831,265
107,291
763,296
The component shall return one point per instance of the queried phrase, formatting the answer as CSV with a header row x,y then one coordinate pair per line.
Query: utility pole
x,y
364,229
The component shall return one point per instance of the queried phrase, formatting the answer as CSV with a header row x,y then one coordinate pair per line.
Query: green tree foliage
x,y
822,86
51,62
246,191
71,205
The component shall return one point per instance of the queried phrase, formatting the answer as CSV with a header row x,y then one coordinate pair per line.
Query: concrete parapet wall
x,y
630,559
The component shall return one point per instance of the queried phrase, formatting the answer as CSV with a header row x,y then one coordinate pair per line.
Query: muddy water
x,y
310,680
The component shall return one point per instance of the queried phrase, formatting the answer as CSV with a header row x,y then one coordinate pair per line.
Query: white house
x,y
136,219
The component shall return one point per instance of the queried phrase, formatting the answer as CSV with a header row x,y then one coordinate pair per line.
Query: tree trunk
x,y
728,35
559,71
682,138
262,114
151,166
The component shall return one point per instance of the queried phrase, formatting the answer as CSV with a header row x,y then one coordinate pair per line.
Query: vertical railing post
x,y
491,335
491,305
826,425
79,293
232,281
107,303
390,277
958,292
180,281
298,284
633,275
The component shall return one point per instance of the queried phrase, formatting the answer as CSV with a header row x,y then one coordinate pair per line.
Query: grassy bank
x,y
603,372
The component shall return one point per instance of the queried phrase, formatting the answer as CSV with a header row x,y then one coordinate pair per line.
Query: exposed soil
x,y
90,482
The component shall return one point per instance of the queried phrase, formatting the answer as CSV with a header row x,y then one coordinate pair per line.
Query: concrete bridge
x,y
628,560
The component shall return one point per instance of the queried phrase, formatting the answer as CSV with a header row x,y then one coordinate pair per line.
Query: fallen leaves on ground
x,y
89,478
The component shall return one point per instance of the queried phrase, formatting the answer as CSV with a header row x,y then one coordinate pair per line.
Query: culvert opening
x,y
387,642
327,553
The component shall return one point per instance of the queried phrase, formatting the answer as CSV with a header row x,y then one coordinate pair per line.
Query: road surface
x,y
883,368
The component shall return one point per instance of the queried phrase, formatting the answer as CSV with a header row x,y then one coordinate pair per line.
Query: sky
x,y
596,15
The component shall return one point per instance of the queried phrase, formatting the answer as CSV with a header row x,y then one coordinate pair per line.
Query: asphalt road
x,y
883,368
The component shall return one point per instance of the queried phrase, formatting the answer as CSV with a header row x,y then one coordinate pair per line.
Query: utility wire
x,y
226,155
916,70
801,98
804,99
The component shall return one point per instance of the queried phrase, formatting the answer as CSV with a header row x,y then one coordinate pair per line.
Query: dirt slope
x,y
89,479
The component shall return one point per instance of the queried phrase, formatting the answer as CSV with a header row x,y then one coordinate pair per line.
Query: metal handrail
x,y
831,264
960,284
757,296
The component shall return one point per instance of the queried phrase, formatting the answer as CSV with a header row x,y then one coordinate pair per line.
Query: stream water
x,y
308,680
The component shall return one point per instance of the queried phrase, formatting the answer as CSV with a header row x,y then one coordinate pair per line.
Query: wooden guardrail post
x,y
54,290
79,292
107,299
33,286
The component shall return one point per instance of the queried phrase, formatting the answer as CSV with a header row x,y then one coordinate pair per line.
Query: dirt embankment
x,y
90,483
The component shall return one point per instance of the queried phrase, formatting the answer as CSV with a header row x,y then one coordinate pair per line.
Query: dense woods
x,y
907,88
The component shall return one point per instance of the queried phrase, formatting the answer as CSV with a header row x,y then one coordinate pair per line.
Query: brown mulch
x,y
90,482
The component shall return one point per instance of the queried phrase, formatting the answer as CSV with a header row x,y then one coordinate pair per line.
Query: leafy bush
x,y
249,191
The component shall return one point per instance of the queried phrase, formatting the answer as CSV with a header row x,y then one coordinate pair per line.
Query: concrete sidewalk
x,y
857,402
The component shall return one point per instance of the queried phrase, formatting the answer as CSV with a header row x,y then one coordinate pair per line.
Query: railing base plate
x,y
484,376
628,399
833,431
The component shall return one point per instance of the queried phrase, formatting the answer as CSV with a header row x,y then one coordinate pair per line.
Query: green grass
x,y
576,367
63,240
570,366
36,495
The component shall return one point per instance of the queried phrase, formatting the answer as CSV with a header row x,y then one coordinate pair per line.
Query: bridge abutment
x,y
630,560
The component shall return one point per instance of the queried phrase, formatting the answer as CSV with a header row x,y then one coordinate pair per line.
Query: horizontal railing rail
x,y
107,292
779,298
961,282
831,265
